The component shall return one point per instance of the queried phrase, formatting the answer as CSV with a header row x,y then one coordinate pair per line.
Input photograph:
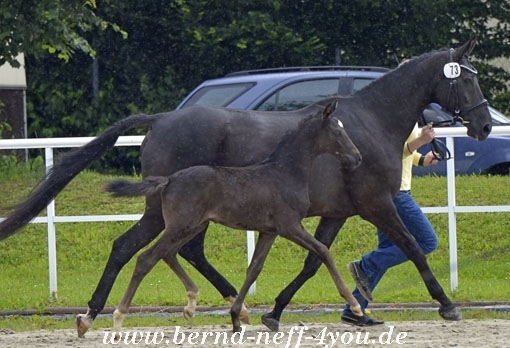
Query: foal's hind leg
x,y
124,248
193,252
144,264
264,243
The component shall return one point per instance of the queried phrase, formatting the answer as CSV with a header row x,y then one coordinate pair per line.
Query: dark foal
x,y
271,197
379,118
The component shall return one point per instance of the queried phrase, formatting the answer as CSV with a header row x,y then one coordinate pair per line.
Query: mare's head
x,y
458,90
333,138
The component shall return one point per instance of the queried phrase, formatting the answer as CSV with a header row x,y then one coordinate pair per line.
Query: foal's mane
x,y
290,134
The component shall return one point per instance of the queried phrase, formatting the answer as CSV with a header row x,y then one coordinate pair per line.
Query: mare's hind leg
x,y
124,248
264,243
326,232
295,232
193,252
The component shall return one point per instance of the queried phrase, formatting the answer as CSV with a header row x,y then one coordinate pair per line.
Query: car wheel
x,y
498,169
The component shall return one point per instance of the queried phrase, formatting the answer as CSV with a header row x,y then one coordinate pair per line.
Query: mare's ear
x,y
329,109
464,50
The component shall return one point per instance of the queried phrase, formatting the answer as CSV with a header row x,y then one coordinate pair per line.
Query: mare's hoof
x,y
450,313
270,322
82,324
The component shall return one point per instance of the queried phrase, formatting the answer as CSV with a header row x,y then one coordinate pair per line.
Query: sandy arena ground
x,y
437,334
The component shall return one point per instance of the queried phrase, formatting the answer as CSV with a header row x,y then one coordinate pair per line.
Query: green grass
x,y
83,249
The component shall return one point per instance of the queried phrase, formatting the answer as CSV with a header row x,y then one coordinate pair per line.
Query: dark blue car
x,y
294,88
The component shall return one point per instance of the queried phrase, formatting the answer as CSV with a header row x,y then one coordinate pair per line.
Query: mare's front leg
x,y
262,247
326,232
193,252
388,221
124,248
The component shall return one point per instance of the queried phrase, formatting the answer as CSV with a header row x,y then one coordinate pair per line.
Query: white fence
x,y
51,219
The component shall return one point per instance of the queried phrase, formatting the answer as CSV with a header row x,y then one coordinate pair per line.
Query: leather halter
x,y
454,87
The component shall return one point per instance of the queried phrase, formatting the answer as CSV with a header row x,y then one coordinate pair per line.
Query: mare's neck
x,y
399,97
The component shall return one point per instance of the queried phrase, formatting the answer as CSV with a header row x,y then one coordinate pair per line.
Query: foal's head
x,y
335,140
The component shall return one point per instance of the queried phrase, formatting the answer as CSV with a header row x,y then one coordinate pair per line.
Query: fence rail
x,y
51,218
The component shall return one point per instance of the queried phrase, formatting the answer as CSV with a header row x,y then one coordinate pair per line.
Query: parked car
x,y
294,88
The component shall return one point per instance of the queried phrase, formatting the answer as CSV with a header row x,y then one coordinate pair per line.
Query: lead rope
x,y
439,149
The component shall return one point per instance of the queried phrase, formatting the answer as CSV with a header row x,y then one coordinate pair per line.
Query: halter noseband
x,y
454,86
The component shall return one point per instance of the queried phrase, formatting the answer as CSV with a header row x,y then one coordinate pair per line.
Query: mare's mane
x,y
399,71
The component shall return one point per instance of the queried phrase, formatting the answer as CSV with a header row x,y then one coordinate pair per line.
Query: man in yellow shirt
x,y
370,269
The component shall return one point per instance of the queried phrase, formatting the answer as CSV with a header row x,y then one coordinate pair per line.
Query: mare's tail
x,y
148,186
61,174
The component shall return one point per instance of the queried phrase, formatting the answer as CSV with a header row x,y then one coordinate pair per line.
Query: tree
x,y
55,26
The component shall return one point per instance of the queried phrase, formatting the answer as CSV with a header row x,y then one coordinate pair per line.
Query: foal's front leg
x,y
298,235
264,243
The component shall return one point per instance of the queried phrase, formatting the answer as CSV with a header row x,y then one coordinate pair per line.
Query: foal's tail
x,y
61,174
148,186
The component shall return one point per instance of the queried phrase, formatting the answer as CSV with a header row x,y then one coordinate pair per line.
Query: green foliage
x,y
57,27
167,48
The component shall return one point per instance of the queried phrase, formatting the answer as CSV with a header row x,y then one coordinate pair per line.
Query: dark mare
x,y
270,197
378,119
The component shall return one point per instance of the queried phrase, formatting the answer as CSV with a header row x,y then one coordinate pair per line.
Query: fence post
x,y
250,244
52,241
452,219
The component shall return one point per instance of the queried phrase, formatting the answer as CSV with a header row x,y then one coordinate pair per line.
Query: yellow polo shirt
x,y
408,160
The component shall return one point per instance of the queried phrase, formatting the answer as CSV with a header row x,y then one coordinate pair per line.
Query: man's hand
x,y
429,159
427,133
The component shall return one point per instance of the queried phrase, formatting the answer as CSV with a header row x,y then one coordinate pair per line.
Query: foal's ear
x,y
329,109
465,50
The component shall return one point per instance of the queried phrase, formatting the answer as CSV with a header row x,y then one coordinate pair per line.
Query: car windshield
x,y
498,118
220,95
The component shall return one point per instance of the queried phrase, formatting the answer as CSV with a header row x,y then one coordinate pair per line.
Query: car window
x,y
218,95
360,83
300,94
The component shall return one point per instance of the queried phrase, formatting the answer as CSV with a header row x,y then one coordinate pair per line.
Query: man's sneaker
x,y
361,279
365,320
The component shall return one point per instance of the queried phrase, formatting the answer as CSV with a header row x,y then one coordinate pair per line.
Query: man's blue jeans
x,y
387,254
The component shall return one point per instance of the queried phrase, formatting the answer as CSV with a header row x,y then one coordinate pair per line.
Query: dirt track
x,y
465,333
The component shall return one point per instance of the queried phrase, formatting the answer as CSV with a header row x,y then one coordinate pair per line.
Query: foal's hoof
x,y
188,313
450,313
83,323
270,322
244,316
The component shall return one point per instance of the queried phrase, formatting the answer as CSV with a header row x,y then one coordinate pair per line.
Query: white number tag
x,y
451,70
